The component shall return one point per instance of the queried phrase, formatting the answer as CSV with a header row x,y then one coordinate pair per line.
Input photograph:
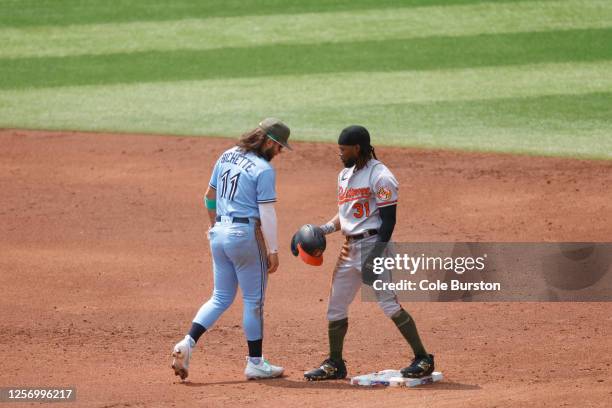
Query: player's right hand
x,y
272,263
367,271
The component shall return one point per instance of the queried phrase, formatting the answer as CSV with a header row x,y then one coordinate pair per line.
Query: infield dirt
x,y
104,261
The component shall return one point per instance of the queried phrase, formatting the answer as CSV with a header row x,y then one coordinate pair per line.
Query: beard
x,y
268,154
349,162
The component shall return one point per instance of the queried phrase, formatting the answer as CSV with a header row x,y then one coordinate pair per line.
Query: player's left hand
x,y
272,263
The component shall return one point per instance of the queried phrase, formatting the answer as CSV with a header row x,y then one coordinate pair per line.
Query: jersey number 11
x,y
233,181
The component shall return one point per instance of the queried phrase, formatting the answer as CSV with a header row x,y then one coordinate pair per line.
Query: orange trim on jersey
x,y
386,203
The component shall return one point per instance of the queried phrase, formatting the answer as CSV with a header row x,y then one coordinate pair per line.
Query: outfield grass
x,y
306,28
530,77
20,13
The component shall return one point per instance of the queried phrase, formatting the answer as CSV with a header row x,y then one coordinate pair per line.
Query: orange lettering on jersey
x,y
351,194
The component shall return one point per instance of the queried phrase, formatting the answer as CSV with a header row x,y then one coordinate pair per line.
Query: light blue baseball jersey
x,y
242,181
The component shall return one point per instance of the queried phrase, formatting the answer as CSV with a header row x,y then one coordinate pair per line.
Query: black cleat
x,y
329,370
420,367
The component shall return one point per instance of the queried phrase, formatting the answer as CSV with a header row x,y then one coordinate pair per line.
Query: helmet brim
x,y
309,259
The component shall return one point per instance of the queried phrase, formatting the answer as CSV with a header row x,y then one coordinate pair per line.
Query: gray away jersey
x,y
360,195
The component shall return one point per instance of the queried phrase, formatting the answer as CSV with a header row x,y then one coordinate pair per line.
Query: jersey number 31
x,y
361,209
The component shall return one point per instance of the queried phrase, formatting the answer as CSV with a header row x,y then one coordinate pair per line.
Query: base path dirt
x,y
104,261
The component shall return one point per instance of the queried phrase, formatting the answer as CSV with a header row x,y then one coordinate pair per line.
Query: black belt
x,y
363,235
239,220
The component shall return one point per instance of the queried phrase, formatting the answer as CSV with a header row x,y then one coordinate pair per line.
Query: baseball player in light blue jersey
x,y
243,241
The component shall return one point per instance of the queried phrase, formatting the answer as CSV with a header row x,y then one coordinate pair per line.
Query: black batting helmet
x,y
309,243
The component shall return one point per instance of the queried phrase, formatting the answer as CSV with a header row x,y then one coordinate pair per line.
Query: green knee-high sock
x,y
337,330
407,327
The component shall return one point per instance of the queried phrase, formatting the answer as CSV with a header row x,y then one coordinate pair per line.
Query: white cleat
x,y
181,354
262,370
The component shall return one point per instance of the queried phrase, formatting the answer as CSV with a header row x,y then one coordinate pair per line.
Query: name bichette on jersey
x,y
361,193
237,158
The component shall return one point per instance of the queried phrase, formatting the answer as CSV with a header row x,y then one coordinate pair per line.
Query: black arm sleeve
x,y
388,215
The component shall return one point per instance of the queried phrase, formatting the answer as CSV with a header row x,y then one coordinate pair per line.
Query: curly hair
x,y
365,155
253,141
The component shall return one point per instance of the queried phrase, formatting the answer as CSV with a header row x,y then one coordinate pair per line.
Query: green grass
x,y
19,13
566,124
565,105
364,56
526,77
306,28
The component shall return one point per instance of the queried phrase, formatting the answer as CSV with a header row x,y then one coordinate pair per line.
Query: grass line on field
x,y
575,126
557,125
306,28
556,109
31,13
189,101
433,53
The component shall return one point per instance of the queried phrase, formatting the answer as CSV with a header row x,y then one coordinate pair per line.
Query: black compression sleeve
x,y
387,214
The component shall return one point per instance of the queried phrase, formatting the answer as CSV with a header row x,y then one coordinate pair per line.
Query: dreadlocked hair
x,y
365,154
252,141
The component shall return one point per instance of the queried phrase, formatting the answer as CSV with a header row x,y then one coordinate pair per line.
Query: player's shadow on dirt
x,y
451,386
343,385
285,382
321,385
211,383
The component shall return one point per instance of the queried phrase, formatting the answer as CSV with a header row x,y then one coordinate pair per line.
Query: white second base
x,y
393,378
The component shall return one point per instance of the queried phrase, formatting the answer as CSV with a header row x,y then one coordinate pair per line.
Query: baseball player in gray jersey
x,y
367,202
